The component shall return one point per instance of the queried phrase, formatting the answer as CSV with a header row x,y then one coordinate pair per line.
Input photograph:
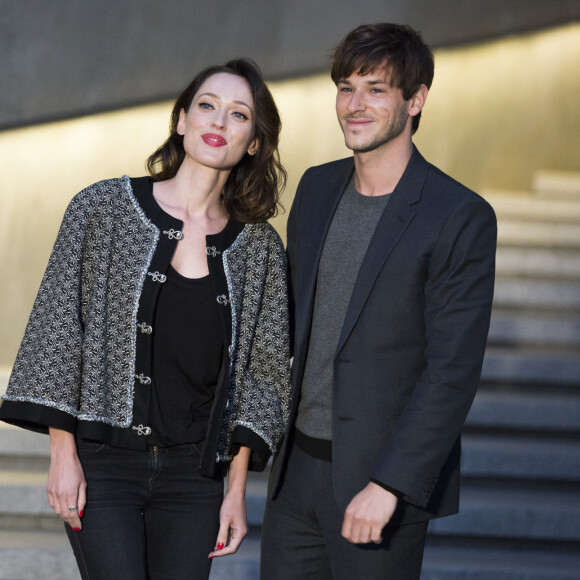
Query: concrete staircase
x,y
520,510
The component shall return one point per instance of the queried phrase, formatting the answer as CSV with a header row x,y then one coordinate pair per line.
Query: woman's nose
x,y
219,120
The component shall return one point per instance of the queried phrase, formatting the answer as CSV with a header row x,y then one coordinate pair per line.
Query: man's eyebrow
x,y
368,82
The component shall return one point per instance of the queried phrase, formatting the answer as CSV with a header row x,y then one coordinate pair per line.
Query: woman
x,y
156,355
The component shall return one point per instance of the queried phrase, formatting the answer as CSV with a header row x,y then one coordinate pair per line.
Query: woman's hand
x,y
233,525
66,485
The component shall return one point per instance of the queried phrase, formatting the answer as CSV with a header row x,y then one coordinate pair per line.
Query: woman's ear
x,y
254,146
181,123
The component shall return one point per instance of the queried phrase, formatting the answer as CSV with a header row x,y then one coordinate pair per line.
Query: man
x,y
392,271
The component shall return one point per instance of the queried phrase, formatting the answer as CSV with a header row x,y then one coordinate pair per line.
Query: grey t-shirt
x,y
347,240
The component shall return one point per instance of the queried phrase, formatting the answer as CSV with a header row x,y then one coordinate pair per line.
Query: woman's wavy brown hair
x,y
252,192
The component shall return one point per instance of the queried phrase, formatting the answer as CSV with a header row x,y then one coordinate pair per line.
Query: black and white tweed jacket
x,y
84,363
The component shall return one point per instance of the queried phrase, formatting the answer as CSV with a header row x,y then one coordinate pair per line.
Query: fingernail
x,y
81,513
220,546
76,529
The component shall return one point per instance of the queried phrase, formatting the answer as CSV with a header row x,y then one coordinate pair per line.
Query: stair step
x,y
513,514
519,293
532,459
496,409
243,565
256,491
538,262
4,376
557,185
538,234
21,442
531,366
36,555
23,493
513,328
460,563
524,206
48,555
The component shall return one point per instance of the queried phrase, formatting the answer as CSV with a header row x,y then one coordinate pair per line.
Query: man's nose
x,y
356,102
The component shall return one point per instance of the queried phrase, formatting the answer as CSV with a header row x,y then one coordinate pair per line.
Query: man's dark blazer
x,y
409,356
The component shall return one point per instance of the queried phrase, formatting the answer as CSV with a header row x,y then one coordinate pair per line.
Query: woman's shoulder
x,y
103,189
262,232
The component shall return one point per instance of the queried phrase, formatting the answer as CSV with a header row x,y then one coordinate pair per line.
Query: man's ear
x,y
418,101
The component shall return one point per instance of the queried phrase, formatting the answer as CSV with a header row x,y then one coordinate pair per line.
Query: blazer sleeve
x,y
44,386
458,298
264,386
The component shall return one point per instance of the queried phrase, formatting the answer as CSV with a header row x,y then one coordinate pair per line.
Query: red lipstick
x,y
213,140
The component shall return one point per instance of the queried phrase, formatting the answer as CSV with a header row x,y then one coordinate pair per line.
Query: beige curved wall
x,y
496,113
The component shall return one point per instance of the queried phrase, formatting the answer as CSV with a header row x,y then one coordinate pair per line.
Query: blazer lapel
x,y
395,219
324,197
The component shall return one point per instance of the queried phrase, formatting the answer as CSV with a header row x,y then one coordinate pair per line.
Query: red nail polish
x,y
81,513
220,546
76,529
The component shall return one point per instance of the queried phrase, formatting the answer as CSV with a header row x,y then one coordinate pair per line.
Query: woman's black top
x,y
187,350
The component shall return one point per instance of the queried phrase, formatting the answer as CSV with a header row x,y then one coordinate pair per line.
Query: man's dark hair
x,y
397,48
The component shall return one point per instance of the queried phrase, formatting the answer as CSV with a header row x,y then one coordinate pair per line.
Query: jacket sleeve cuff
x,y
395,492
35,417
242,436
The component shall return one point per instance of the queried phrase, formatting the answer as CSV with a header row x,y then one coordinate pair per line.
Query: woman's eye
x,y
204,105
240,116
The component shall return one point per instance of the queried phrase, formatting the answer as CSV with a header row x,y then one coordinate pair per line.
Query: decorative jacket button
x,y
223,300
142,429
145,328
157,277
212,251
173,234
144,380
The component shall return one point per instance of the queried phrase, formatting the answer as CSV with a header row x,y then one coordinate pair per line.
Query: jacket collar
x,y
396,217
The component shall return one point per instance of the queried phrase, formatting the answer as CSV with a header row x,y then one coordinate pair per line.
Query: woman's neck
x,y
193,193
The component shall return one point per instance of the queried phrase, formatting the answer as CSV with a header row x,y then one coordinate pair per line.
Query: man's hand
x,y
367,514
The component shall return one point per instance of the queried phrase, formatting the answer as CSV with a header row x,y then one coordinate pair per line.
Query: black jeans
x,y
301,535
149,515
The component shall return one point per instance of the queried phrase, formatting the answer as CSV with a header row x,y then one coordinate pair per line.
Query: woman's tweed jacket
x,y
79,349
